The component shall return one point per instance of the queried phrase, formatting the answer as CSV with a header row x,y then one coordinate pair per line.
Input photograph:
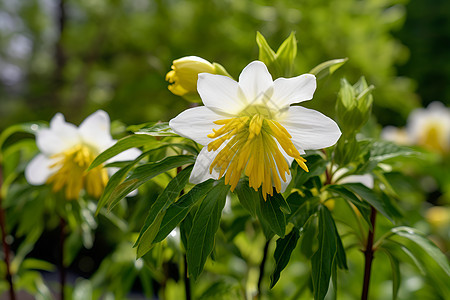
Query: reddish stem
x,y
368,254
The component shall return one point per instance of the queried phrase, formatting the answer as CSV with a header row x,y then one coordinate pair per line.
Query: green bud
x,y
353,105
280,63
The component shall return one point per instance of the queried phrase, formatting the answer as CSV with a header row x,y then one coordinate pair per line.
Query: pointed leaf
x,y
171,217
144,173
282,254
328,67
381,202
248,197
271,214
121,145
165,199
204,226
322,260
153,129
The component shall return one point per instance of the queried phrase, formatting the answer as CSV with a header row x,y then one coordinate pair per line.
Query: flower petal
x,y
310,129
220,93
58,137
196,123
200,172
287,91
95,130
365,179
38,170
129,154
255,81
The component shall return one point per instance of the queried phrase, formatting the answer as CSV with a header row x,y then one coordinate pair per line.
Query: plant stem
x,y
12,294
62,268
368,254
262,266
187,282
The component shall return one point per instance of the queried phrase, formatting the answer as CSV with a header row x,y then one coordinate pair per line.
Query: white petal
x,y
365,179
126,155
196,123
220,93
38,170
287,91
310,129
284,184
95,130
59,137
256,82
200,172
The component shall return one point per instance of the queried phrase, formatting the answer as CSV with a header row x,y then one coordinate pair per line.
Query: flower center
x,y
432,138
71,166
252,148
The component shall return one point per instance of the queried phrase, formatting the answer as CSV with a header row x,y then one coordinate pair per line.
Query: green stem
x,y
368,255
262,267
6,258
62,268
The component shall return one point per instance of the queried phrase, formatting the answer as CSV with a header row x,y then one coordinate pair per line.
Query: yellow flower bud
x,y
184,74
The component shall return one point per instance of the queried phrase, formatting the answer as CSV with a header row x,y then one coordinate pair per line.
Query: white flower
x,y
397,135
67,151
249,127
365,179
430,127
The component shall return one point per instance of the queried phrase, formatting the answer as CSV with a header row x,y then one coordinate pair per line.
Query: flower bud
x,y
354,105
184,75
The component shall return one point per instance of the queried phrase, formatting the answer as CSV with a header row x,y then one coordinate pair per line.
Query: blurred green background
x,y
76,56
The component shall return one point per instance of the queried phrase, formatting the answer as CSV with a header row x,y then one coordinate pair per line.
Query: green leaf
x,y
302,208
131,141
341,257
144,173
24,127
114,181
396,275
425,244
171,217
316,165
282,254
328,67
153,129
271,214
165,199
266,54
382,203
425,255
286,55
363,207
248,197
322,260
204,226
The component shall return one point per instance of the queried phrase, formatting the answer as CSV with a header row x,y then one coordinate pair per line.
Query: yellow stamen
x,y
253,149
71,166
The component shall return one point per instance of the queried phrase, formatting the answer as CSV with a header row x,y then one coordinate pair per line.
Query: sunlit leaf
x,y
121,145
144,173
328,67
153,129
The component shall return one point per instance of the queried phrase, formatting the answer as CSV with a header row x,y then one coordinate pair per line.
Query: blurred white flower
x,y
426,127
430,127
67,151
397,135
